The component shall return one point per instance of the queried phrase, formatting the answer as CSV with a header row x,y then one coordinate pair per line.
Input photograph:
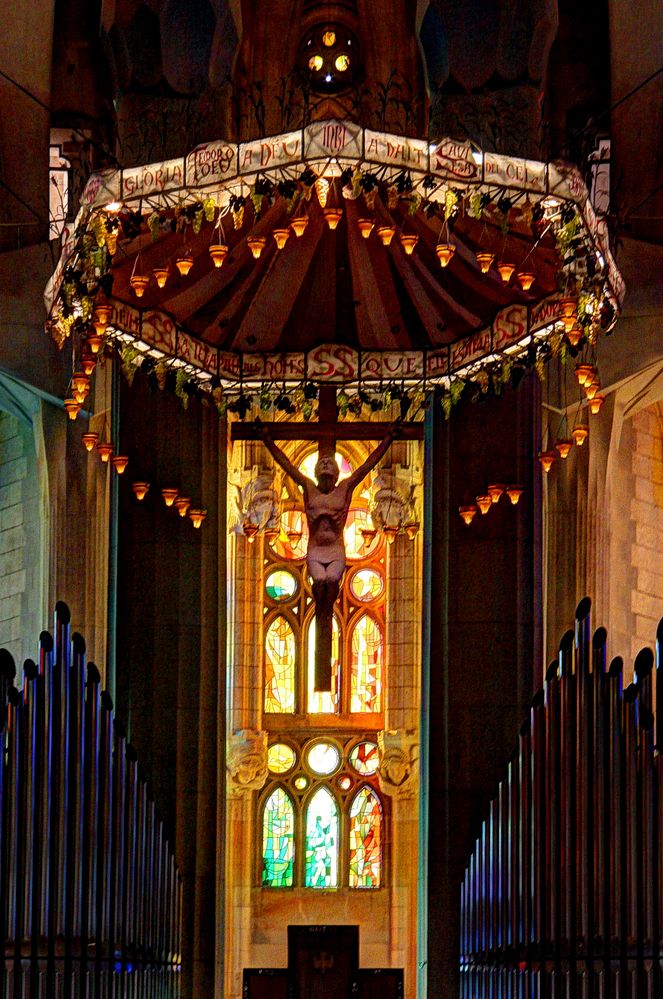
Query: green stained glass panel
x,y
280,585
366,840
366,666
321,841
278,841
279,668
364,758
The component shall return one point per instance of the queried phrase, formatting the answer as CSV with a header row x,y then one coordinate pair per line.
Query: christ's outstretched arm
x,y
281,458
374,457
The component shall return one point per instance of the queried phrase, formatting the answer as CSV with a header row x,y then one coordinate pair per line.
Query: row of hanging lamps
x,y
172,498
486,500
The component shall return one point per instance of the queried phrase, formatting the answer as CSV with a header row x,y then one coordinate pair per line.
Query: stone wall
x,y
647,525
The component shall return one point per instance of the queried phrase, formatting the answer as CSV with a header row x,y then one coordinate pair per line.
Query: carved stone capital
x,y
246,761
399,758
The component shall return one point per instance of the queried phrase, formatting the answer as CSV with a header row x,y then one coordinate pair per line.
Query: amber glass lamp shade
x,y
281,237
591,388
408,242
574,335
485,261
514,493
88,361
218,252
596,403
80,383
495,490
468,513
563,446
140,490
526,279
332,216
184,264
197,516
584,373
73,408
365,227
161,276
445,252
298,225
182,504
386,233
579,433
506,270
104,450
256,244
139,283
568,307
368,535
102,314
94,342
547,459
90,440
411,529
390,533
120,462
484,502
169,495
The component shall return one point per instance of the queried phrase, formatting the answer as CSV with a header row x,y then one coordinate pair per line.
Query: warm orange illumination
x,y
73,408
256,244
250,530
169,495
315,63
298,225
547,459
368,535
445,252
591,388
322,190
281,237
89,439
94,342
102,314
218,252
568,306
564,445
120,462
390,533
182,504
329,39
104,450
197,517
596,403
411,529
161,276
80,384
484,503
184,264
495,491
386,233
88,362
579,433
485,261
506,270
514,493
139,283
294,537
468,513
140,490
526,279
584,373
332,216
408,242
574,335
365,227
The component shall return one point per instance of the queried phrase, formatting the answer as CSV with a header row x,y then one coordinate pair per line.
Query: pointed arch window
x,y
321,854
280,654
365,840
367,650
278,840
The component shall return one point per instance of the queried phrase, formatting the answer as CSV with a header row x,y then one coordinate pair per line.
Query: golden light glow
x,y
365,227
298,225
485,261
342,62
88,362
73,408
89,439
568,306
579,433
484,503
218,253
182,504
161,276
140,490
104,450
386,233
333,216
80,384
574,335
281,237
526,279
547,459
514,493
197,517
584,373
94,342
506,270
390,533
495,490
184,264
169,495
329,39
256,245
468,513
368,535
315,63
408,242
591,388
564,445
120,462
596,403
139,283
445,252
102,314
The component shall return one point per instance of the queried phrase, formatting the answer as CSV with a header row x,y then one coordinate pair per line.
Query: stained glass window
x,y
323,758
279,667
366,585
292,539
322,701
307,466
364,758
280,758
366,665
280,585
365,840
321,853
278,840
358,544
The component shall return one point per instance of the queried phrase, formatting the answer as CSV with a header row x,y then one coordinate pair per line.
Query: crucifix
x,y
326,502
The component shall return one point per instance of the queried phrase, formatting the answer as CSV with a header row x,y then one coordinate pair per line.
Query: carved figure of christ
x,y
326,504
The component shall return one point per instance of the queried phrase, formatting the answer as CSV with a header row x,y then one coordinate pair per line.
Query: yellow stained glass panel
x,y
279,667
366,666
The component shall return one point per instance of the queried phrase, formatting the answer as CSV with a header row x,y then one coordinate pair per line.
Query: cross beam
x,y
359,431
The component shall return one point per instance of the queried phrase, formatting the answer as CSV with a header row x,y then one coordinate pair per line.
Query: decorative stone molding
x,y
246,762
399,759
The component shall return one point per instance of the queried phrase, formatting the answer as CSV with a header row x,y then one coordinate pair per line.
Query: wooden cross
x,y
326,432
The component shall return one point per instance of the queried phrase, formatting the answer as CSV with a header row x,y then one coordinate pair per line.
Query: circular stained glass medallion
x,y
280,758
366,585
364,758
301,782
344,782
280,585
323,758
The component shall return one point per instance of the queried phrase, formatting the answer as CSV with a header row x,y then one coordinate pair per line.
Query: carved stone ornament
x,y
246,762
258,502
399,763
392,499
